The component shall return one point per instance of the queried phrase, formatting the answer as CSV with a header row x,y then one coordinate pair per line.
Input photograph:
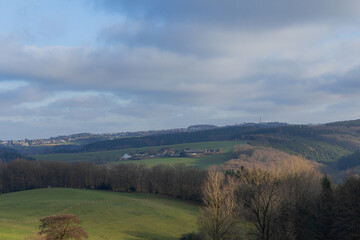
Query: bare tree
x,y
259,192
61,227
218,218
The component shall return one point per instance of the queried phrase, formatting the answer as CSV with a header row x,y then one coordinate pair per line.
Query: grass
x,y
114,155
103,215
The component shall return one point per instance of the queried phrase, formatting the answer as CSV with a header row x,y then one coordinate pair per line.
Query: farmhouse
x,y
138,156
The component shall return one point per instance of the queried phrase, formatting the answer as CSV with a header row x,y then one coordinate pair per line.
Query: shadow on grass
x,y
150,236
207,161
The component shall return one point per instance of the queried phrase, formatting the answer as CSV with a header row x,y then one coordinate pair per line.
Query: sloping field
x,y
103,215
114,155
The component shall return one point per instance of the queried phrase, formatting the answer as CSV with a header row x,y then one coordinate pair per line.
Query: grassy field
x,y
103,215
112,156
201,162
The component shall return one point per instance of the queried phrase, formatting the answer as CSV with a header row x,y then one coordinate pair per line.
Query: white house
x,y
126,156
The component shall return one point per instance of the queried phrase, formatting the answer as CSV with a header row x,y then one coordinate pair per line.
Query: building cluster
x,y
166,152
89,137
33,142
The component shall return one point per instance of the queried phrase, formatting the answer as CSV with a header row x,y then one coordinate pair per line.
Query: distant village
x,y
82,138
167,152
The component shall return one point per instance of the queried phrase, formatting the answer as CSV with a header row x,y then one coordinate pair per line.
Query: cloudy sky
x,y
108,66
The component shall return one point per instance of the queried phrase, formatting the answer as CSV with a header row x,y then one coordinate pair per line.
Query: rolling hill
x,y
321,143
103,215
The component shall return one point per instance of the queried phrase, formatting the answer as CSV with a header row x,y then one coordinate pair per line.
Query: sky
x,y
125,65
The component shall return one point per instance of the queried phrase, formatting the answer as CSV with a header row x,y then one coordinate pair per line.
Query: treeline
x,y
295,204
295,130
176,181
48,149
7,155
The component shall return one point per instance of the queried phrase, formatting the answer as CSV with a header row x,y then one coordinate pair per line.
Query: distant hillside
x,y
310,142
216,134
348,161
86,138
322,143
349,123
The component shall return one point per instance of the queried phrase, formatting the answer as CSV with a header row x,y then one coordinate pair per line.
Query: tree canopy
x,y
62,226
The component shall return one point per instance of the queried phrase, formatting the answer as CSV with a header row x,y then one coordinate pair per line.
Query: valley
x,y
132,188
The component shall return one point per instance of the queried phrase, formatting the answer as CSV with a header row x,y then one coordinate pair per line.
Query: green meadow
x,y
115,155
103,215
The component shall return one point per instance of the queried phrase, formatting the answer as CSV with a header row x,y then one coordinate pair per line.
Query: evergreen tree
x,y
325,210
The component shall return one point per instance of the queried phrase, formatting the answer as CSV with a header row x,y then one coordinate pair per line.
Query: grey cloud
x,y
346,83
19,95
235,13
82,102
217,28
209,41
128,70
